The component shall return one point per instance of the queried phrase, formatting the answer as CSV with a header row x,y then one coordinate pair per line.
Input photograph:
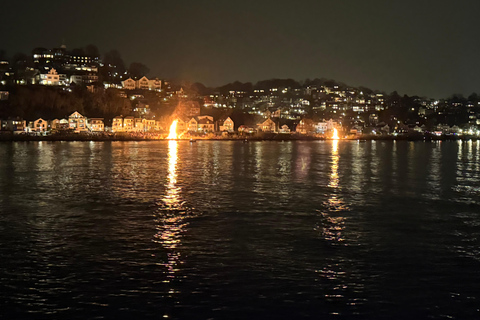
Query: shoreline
x,y
9,137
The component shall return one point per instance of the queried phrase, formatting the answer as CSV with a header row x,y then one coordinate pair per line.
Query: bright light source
x,y
173,130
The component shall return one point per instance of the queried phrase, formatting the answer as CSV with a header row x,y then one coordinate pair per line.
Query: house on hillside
x,y
155,84
52,78
129,84
143,83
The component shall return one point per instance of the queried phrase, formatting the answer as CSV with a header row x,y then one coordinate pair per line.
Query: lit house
x,y
52,78
267,126
245,129
227,125
129,84
284,129
40,125
54,124
128,124
148,125
321,127
143,83
193,125
206,124
138,125
182,125
96,124
305,126
77,122
76,78
13,125
155,84
117,124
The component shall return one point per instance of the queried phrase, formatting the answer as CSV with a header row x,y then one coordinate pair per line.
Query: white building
x,y
96,124
52,78
129,84
155,84
77,122
40,125
143,83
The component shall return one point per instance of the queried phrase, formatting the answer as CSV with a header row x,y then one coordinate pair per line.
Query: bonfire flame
x,y
173,131
335,134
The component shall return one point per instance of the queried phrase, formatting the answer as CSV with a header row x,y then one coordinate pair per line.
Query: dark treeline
x,y
32,102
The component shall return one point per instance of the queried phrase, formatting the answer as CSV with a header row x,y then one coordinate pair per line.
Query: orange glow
x,y
173,130
335,134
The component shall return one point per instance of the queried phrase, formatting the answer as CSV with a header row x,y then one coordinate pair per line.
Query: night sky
x,y
428,48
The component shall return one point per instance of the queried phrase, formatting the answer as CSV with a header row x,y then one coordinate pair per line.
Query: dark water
x,y
227,230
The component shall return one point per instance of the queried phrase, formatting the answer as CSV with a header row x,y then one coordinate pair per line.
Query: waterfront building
x,y
149,125
267,126
77,122
321,127
284,129
245,129
305,126
117,124
227,125
39,125
182,124
96,124
128,124
13,125
193,125
138,125
54,124
206,124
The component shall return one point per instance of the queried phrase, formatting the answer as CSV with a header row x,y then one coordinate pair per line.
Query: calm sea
x,y
232,230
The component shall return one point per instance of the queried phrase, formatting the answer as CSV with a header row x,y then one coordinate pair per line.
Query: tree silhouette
x,y
137,70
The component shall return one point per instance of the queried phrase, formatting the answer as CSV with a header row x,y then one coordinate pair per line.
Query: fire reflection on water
x,y
333,218
335,277
171,217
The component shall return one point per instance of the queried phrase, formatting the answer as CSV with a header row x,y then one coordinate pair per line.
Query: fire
x,y
173,131
335,134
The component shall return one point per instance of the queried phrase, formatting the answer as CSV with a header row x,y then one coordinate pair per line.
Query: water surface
x,y
232,230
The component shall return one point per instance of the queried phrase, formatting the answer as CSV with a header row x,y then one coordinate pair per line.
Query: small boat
x,y
245,141
193,140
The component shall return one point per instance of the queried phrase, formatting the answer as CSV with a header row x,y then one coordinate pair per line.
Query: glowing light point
x,y
173,131
335,134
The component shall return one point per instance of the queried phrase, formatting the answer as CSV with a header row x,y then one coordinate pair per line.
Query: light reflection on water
x,y
291,229
334,216
171,217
